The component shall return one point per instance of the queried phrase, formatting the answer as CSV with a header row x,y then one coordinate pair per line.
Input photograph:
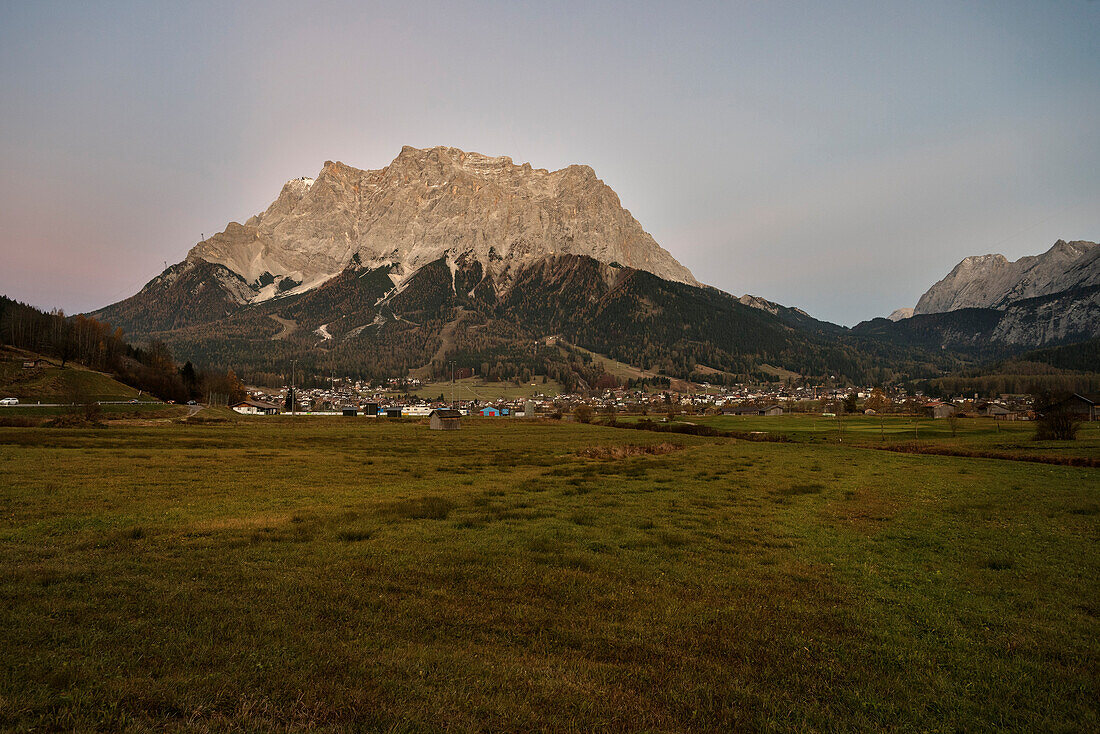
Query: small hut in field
x,y
445,420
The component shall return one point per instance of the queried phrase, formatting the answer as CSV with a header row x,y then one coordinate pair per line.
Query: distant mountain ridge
x,y
447,255
993,281
990,304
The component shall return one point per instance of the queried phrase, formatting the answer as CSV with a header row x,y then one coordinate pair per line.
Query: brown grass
x,y
612,453
912,447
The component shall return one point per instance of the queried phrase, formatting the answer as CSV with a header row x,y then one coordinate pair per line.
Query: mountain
x,y
428,204
988,306
900,313
992,281
445,255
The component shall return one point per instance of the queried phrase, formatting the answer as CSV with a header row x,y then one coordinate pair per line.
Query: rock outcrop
x,y
900,313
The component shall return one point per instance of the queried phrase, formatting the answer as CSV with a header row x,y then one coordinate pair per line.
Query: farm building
x,y
939,410
255,407
393,412
369,409
445,420
752,410
1085,406
492,412
998,412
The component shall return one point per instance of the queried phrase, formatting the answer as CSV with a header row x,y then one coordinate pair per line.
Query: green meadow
x,y
1014,439
348,574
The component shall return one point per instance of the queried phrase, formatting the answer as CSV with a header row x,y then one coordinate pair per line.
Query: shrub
x,y
622,452
583,413
1057,426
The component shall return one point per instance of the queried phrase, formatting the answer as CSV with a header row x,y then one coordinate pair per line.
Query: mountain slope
x,y
1064,317
361,323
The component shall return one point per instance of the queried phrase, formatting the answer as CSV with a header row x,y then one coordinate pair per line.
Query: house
x,y
752,410
998,412
1085,406
939,410
492,412
445,420
255,407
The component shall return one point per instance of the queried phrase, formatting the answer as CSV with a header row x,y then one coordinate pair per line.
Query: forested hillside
x,y
360,324
102,347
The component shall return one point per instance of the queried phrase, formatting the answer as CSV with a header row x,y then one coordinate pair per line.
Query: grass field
x,y
52,384
111,411
1012,438
314,573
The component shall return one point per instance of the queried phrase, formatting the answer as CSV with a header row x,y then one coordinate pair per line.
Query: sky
x,y
840,157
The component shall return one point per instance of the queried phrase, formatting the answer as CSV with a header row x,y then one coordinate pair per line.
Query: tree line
x,y
99,346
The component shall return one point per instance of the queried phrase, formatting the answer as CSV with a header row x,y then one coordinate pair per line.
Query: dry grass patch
x,y
430,507
612,453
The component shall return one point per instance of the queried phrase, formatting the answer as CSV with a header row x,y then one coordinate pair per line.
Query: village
x,y
396,399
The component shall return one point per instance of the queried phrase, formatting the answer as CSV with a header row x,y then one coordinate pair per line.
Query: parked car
x,y
190,402
9,401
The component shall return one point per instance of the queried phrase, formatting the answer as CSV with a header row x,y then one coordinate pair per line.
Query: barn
x,y
1085,406
255,407
445,420
939,410
491,412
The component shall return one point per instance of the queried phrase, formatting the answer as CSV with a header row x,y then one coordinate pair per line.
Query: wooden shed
x,y
445,420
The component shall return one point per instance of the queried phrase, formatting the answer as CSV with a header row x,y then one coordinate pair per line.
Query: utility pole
x,y
452,384
293,397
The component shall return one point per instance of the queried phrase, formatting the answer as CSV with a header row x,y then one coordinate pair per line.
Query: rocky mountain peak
x,y
430,203
993,281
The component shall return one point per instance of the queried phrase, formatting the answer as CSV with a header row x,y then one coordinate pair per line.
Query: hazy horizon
x,y
839,159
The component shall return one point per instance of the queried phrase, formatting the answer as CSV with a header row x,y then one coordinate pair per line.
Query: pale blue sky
x,y
839,157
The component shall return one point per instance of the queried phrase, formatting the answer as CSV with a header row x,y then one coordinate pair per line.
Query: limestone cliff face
x,y
992,281
900,313
1064,317
427,204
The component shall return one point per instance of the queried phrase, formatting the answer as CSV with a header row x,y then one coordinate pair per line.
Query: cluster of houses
x,y
365,400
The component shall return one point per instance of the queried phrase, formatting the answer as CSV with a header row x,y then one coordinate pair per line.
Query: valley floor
x,y
310,573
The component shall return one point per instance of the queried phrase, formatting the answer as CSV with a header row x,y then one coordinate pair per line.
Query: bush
x,y
583,413
1057,426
